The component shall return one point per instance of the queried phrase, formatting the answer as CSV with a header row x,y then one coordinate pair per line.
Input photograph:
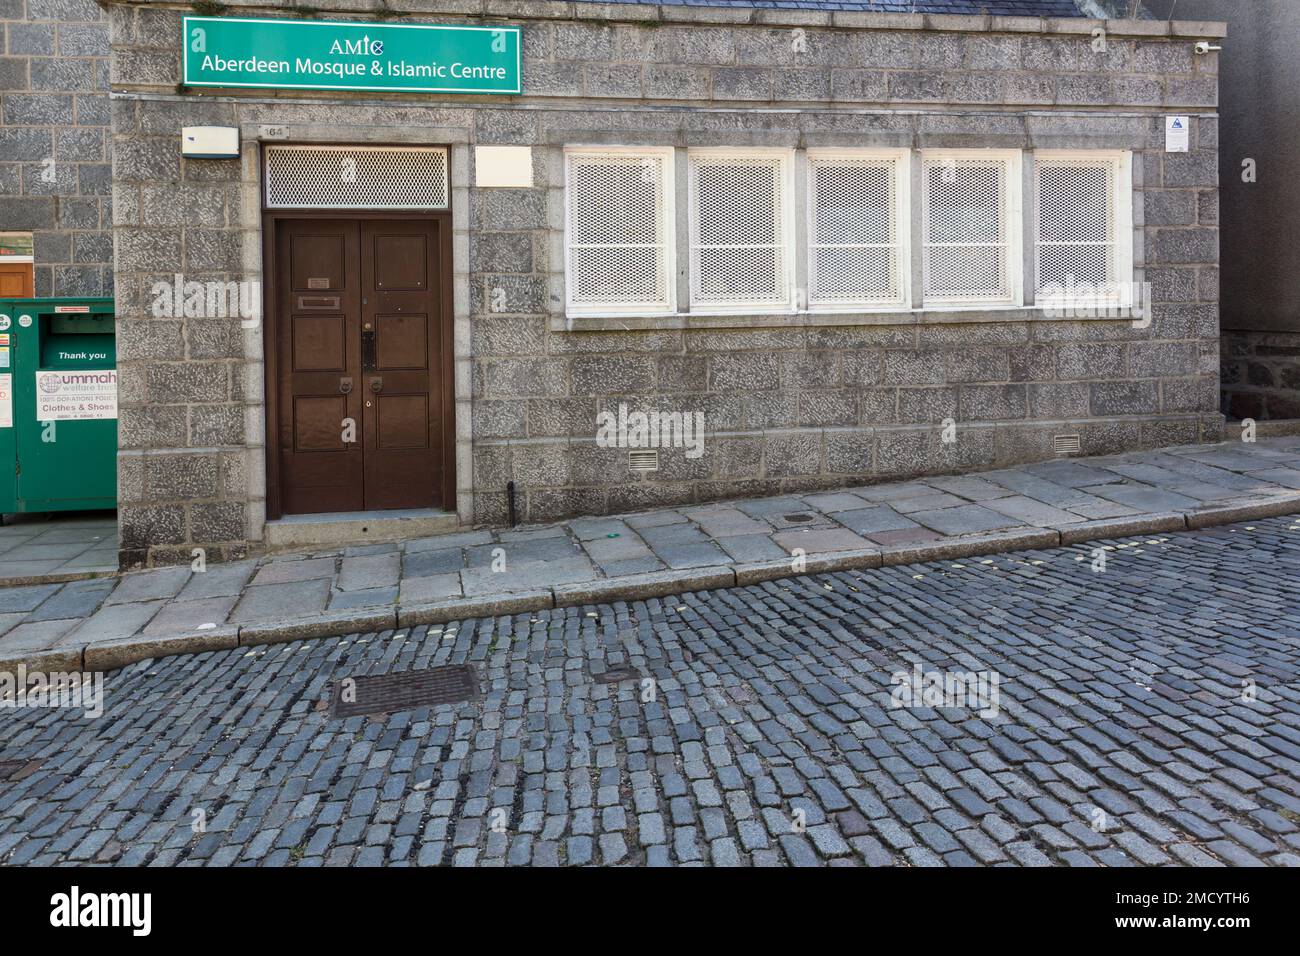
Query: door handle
x,y
345,385
368,349
376,385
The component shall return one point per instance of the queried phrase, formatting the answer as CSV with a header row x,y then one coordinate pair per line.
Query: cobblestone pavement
x,y
362,584
1147,714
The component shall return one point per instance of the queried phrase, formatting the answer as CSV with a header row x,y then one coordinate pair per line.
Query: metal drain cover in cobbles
x,y
406,690
616,675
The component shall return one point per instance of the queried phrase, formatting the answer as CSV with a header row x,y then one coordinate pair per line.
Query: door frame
x,y
271,349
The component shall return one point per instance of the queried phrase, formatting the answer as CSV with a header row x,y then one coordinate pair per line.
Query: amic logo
x,y
50,382
363,47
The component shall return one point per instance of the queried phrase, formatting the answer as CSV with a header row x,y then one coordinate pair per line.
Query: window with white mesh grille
x,y
740,229
857,228
620,229
356,177
970,214
1083,244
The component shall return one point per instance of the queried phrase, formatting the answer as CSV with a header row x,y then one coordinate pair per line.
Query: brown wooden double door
x,y
362,402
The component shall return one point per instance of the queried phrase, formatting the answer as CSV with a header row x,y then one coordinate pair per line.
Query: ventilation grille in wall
x,y
356,177
1067,444
643,460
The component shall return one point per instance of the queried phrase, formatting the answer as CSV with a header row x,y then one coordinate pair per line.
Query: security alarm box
x,y
210,142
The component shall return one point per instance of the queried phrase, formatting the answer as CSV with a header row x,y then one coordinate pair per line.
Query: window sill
x,y
765,320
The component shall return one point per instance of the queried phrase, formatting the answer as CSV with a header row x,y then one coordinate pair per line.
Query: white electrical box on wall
x,y
503,166
210,142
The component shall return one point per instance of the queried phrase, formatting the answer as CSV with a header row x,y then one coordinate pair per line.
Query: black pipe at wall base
x,y
510,503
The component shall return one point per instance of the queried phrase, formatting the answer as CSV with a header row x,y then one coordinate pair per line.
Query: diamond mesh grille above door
x,y
356,177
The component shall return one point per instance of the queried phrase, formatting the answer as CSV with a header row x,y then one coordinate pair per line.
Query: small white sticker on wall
x,y
25,321
503,167
1177,139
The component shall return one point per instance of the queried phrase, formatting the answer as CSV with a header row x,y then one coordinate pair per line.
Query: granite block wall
x,y
55,176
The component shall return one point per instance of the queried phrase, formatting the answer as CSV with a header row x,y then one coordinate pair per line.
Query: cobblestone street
x,y
1147,714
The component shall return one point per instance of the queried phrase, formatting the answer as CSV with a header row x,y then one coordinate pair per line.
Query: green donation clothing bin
x,y
58,405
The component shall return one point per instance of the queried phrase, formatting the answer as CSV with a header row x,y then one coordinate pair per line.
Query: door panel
x,y
400,309
402,342
360,303
318,343
318,280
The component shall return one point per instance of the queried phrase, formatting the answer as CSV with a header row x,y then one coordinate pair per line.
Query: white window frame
x,y
784,238
902,214
1121,162
1012,213
668,230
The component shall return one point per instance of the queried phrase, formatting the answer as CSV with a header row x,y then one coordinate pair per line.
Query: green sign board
x,y
332,55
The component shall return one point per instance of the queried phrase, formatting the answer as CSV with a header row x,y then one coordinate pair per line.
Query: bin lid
x,y
62,305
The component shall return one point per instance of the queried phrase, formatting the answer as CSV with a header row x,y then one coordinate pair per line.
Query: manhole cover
x,y
616,675
798,518
407,690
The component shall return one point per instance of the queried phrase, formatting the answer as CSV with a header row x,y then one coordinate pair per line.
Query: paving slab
x,y
426,590
286,571
25,598
727,522
819,540
37,635
1286,477
968,487
701,555
871,520
114,621
365,597
527,576
628,546
284,601
618,569
77,599
1028,511
964,519
218,580
369,571
745,548
432,561
157,585
522,552
835,501
934,501
180,617
1144,498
